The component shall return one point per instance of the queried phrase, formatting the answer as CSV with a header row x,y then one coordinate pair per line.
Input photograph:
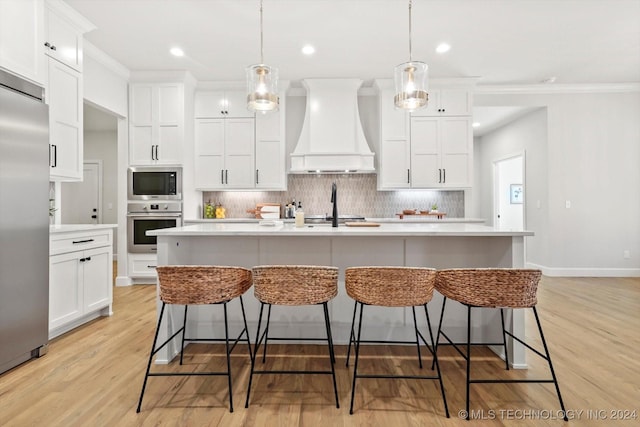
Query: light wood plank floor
x,y
92,375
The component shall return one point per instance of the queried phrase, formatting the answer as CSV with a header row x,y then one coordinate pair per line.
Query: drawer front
x,y
78,241
142,265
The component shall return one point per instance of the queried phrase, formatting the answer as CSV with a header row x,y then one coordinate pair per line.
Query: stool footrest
x,y
405,377
528,380
184,374
293,372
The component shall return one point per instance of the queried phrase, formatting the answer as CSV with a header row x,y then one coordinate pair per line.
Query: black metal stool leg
x,y
504,340
553,373
435,344
266,335
153,348
355,366
226,341
253,357
468,357
184,332
415,328
352,336
329,335
332,359
246,328
435,360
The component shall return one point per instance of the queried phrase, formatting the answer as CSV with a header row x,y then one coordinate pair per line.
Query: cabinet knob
x,y
47,44
53,47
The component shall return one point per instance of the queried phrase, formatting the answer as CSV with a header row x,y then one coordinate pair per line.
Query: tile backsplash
x,y
357,195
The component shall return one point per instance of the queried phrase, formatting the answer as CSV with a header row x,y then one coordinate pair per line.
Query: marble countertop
x,y
415,219
399,228
68,228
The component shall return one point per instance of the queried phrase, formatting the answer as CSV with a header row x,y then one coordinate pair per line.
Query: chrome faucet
x,y
334,200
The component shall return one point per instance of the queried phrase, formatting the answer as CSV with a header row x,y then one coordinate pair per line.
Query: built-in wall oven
x,y
150,215
154,183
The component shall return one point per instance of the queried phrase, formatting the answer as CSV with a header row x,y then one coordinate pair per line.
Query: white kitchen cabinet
x,y
22,39
447,101
441,152
394,154
142,265
224,151
64,97
271,173
426,149
156,123
221,104
80,278
64,29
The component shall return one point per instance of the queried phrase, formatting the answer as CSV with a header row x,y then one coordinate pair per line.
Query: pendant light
x,y
411,81
262,83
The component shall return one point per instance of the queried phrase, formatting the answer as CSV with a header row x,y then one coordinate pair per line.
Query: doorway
x,y
509,192
82,200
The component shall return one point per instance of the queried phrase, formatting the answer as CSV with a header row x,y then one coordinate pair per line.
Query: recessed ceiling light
x,y
176,51
443,47
308,49
475,124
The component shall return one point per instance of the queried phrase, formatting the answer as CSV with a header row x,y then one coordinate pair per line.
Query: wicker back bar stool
x,y
493,288
199,285
392,287
293,285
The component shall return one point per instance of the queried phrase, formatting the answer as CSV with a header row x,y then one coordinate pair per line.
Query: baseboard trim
x,y
123,281
586,271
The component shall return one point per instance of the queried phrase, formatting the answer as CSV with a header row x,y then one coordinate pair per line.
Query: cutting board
x,y
273,208
361,224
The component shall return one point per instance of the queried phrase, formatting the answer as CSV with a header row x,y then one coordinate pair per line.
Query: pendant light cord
x,y
261,37
410,1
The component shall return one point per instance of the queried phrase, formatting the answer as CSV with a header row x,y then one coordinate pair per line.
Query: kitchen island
x,y
436,245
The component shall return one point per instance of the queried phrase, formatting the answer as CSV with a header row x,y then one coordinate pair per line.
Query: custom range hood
x,y
332,139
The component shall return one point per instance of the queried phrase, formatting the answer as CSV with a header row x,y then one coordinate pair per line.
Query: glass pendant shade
x,y
411,85
262,88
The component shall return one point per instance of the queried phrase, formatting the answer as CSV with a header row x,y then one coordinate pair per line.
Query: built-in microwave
x,y
154,183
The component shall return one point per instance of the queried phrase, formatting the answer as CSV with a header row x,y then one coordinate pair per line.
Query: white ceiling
x,y
488,119
503,42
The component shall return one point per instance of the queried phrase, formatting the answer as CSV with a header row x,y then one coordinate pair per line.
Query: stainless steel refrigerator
x,y
24,221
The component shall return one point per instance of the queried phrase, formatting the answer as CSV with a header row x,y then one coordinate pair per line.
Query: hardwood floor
x,y
92,375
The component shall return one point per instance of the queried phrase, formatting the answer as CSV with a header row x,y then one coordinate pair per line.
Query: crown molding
x,y
101,57
557,88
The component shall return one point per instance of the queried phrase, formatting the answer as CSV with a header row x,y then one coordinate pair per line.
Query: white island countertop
x,y
70,228
385,229
408,218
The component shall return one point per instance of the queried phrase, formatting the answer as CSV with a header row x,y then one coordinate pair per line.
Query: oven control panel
x,y
154,207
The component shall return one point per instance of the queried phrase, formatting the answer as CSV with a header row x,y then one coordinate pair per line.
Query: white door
x,y
81,200
509,193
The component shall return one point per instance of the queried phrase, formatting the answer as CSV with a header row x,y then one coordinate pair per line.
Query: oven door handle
x,y
153,215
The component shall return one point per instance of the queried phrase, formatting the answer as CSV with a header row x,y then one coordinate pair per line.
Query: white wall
x,y
528,134
592,157
103,145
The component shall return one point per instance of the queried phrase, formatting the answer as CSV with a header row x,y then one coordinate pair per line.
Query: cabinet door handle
x,y
152,158
75,242
88,258
226,176
221,176
157,155
408,176
439,176
151,266
444,176
55,156
257,176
